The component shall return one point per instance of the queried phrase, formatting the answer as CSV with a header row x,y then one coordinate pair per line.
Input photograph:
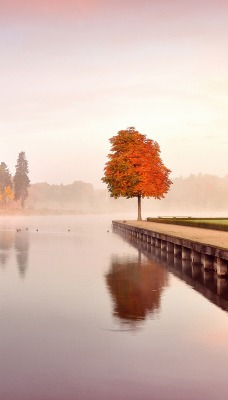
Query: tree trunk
x,y
139,208
22,202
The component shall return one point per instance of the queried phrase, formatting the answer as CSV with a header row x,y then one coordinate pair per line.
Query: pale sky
x,y
73,73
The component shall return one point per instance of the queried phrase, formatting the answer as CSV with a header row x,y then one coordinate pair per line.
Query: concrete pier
x,y
177,250
195,257
186,253
207,261
208,250
220,266
170,247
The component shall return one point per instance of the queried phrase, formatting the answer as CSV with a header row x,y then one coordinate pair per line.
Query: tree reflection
x,y
136,285
6,242
22,246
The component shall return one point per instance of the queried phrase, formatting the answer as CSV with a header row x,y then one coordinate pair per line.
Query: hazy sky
x,y
75,72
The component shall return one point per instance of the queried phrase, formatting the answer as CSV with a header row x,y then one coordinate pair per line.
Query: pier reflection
x,y
206,282
135,285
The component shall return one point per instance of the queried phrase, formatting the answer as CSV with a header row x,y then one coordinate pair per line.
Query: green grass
x,y
217,221
220,224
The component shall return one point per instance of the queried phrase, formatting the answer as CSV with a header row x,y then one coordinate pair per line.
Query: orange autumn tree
x,y
6,195
135,168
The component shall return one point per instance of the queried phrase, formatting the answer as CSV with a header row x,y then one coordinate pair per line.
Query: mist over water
x,y
86,314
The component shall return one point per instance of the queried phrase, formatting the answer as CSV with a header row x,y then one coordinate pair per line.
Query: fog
x,y
196,195
73,73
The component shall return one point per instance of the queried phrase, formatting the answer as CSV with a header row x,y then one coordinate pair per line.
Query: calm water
x,y
87,315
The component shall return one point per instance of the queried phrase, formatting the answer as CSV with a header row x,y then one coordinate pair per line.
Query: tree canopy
x,y
5,177
21,180
135,168
6,185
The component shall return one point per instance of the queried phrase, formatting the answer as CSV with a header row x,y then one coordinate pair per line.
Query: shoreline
x,y
41,211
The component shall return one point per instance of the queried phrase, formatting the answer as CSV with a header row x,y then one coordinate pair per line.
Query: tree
x,y
21,180
135,168
6,184
7,194
5,177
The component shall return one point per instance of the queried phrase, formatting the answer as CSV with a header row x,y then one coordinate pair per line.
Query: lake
x,y
87,314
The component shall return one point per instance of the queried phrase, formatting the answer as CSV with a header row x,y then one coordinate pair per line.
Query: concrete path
x,y
205,236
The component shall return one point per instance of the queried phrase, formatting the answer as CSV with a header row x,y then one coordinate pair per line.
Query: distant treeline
x,y
196,193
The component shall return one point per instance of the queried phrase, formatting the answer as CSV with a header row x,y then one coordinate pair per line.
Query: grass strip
x,y
220,224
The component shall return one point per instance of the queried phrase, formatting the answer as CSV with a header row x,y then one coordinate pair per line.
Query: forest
x,y
195,193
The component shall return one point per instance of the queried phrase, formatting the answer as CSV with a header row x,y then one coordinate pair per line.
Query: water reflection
x,y
214,288
21,244
19,241
135,285
6,242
